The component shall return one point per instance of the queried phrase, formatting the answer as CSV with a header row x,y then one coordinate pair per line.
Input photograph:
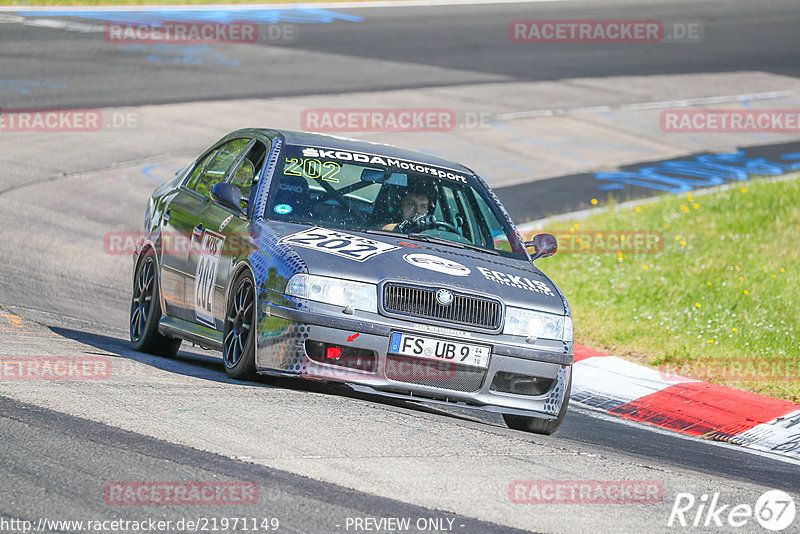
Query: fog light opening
x,y
518,384
341,356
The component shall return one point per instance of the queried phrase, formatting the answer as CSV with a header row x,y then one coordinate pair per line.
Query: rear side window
x,y
215,166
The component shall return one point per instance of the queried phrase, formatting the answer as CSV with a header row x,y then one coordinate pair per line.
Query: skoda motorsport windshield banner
x,y
384,162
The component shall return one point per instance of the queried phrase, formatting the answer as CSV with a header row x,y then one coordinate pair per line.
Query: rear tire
x,y
238,334
541,426
146,311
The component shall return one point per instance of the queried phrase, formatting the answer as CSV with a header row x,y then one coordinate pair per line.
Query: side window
x,y
246,173
454,211
465,218
200,168
500,241
218,167
445,210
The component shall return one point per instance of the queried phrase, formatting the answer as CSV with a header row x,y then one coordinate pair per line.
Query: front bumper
x,y
282,348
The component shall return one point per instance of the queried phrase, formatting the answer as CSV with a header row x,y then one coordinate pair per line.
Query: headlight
x,y
569,335
522,322
333,291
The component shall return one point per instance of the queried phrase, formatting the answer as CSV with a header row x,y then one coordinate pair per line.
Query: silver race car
x,y
395,272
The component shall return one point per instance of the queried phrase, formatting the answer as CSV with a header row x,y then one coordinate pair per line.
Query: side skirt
x,y
202,335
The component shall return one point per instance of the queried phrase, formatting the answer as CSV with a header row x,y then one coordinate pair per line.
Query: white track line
x,y
664,104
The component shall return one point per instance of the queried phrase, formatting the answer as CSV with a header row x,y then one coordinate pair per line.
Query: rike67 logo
x,y
774,510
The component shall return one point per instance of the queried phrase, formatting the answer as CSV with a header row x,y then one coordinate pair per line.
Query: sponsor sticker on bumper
x,y
439,350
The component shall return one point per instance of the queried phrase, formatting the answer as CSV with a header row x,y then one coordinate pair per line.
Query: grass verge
x,y
719,302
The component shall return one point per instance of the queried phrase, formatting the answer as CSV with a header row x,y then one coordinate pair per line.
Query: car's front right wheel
x,y
239,330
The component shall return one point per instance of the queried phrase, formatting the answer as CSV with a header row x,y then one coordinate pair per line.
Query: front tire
x,y
146,311
541,426
239,332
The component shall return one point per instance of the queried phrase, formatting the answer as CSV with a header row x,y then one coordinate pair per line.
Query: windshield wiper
x,y
418,237
433,239
442,241
387,233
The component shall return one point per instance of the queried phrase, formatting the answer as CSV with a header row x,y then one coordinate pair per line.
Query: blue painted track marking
x,y
194,54
219,16
148,172
704,171
24,86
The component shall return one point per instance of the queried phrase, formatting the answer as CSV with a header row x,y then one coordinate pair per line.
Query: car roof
x,y
320,140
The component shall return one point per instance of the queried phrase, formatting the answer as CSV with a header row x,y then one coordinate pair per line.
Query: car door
x,y
186,216
227,234
222,237
179,218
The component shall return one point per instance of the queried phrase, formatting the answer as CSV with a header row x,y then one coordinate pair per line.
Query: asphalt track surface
x,y
82,452
462,44
318,454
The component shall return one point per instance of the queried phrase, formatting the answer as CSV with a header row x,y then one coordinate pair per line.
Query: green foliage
x,y
720,302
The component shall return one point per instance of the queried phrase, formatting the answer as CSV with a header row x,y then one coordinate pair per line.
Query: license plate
x,y
439,350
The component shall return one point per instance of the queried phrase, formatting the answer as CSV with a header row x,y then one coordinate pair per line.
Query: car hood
x,y
349,255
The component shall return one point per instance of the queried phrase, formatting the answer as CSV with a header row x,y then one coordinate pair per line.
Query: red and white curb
x,y
685,405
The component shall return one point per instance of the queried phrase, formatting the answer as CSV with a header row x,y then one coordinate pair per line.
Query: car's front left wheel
x,y
541,426
239,332
146,311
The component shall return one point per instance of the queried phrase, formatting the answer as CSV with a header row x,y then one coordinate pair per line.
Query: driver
x,y
415,211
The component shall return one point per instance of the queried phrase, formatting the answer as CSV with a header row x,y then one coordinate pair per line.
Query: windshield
x,y
361,192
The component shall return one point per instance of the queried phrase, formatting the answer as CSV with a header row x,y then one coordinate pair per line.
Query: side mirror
x,y
228,195
545,245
